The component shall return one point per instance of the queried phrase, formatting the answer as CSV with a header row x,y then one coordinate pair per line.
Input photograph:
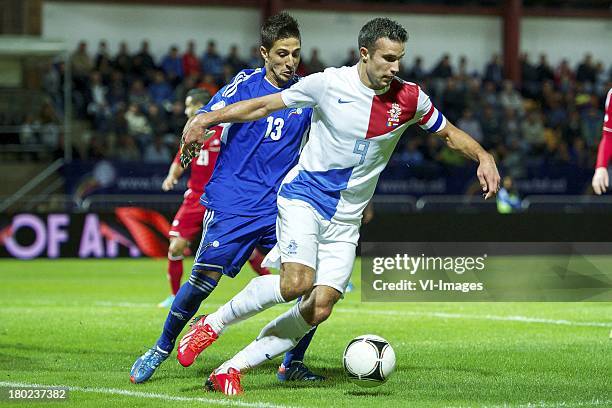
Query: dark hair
x,y
200,96
278,27
381,27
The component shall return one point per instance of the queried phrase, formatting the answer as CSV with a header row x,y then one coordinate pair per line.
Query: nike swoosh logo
x,y
269,357
341,101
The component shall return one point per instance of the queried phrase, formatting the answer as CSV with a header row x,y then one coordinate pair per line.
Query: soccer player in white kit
x,y
359,114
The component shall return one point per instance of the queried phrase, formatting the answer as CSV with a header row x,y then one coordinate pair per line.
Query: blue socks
x,y
297,353
184,307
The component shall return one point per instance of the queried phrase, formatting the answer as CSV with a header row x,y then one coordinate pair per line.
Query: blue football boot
x,y
297,371
146,365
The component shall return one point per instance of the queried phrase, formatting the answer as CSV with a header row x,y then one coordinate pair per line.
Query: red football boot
x,y
198,338
225,382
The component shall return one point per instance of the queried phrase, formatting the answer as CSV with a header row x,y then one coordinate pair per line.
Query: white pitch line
x,y
140,394
562,404
445,315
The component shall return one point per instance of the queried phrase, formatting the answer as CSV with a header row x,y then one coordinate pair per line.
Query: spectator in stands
x,y
180,92
443,69
255,60
51,85
586,70
208,83
123,60
126,149
453,100
102,60
493,71
191,64
314,63
97,103
470,124
591,126
138,126
117,92
417,72
511,127
49,129
351,59
156,152
509,98
119,124
473,95
177,119
529,78
138,95
81,64
143,62
514,160
533,131
545,72
172,65
234,60
157,120
160,90
28,131
212,63
491,128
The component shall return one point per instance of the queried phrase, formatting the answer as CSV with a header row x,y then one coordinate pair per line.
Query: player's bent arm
x,y
487,172
175,173
239,112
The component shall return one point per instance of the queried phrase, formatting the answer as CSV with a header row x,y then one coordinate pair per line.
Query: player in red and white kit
x,y
187,222
601,181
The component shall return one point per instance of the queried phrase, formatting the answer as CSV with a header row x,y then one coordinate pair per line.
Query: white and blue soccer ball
x,y
369,360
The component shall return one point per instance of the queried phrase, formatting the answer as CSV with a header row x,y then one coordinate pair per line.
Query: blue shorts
x,y
228,240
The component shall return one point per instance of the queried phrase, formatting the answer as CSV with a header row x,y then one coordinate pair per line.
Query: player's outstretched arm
x,y
175,173
487,172
240,112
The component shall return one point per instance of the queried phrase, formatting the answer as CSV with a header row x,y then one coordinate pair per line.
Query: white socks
x,y
279,336
261,293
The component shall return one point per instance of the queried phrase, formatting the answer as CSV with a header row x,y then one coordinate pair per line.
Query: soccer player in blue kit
x,y
241,198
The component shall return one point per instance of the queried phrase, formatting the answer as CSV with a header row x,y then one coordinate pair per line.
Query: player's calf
x,y
318,305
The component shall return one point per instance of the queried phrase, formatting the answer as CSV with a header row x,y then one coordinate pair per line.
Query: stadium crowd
x,y
133,104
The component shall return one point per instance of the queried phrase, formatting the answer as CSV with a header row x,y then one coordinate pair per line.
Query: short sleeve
x,y
307,92
431,119
229,94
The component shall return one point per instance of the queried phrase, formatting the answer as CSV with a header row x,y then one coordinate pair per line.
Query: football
x,y
368,360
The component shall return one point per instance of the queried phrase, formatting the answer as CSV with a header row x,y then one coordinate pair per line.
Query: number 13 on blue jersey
x,y
361,148
275,126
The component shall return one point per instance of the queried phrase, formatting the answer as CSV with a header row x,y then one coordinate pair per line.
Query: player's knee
x,y
296,281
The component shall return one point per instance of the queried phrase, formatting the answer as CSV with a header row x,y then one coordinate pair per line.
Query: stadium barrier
x,y
137,231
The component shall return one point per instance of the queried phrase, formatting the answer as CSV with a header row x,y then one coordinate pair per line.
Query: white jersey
x,y
353,133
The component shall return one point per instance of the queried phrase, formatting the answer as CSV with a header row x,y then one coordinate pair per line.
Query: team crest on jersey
x,y
292,247
297,111
394,115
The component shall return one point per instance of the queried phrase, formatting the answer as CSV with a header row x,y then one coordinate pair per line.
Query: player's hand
x,y
196,129
169,183
600,181
488,176
189,151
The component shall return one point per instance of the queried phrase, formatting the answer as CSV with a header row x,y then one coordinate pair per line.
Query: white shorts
x,y
307,238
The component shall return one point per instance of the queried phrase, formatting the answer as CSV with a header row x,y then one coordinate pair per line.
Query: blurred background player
x,y
188,220
240,197
601,180
508,200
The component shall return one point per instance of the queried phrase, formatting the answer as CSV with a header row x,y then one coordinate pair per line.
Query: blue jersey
x,y
254,156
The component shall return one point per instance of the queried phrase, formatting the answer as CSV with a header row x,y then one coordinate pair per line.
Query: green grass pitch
x,y
83,323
